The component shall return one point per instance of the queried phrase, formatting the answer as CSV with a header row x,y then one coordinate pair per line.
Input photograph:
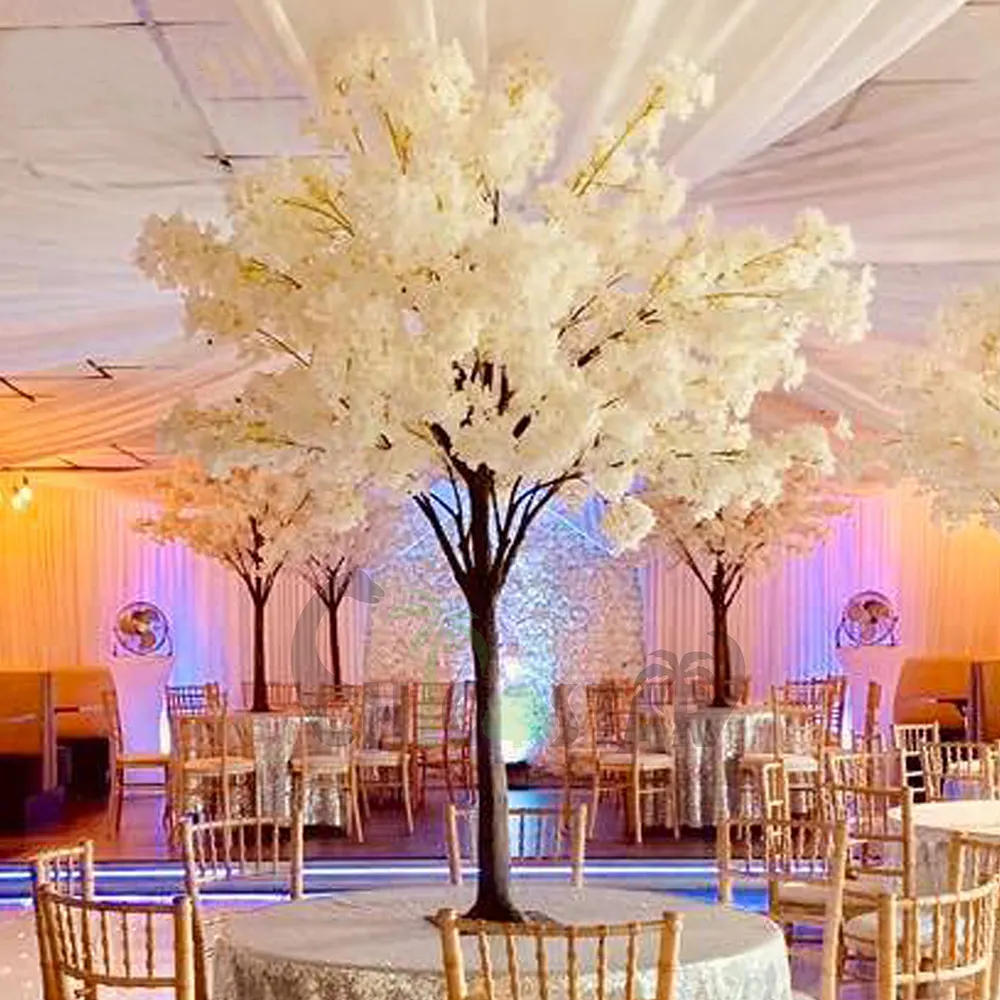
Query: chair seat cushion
x,y
650,761
795,762
812,895
212,765
863,929
327,763
380,758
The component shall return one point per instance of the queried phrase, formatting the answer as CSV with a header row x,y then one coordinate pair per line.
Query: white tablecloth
x,y
934,823
378,946
710,742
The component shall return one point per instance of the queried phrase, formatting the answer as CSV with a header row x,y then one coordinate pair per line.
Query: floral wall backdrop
x,y
570,613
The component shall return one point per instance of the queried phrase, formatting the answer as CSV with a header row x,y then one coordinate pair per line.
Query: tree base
x,y
496,911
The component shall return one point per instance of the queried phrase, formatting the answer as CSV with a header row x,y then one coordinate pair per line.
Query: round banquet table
x,y
933,825
377,945
710,743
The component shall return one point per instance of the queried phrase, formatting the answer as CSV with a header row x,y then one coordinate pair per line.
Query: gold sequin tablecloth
x,y
710,742
274,738
378,945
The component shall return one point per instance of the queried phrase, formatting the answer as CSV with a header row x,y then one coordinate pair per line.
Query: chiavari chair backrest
x,y
945,941
264,847
193,699
327,735
281,695
431,712
972,861
68,871
956,762
609,705
910,739
608,961
332,694
386,715
536,834
799,728
876,769
220,738
880,825
112,945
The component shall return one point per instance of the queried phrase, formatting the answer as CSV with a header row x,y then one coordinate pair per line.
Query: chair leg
x,y
407,808
359,830
119,795
595,800
675,805
635,785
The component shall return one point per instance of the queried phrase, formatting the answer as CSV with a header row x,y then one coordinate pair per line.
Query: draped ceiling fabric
x,y
881,112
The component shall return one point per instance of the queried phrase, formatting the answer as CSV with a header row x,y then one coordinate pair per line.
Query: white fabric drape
x,y
945,586
73,560
916,177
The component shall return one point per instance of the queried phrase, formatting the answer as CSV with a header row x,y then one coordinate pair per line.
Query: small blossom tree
x,y
249,521
723,549
331,563
444,311
947,397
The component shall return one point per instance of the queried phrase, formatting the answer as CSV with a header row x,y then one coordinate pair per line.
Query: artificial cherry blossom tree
x,y
947,398
332,561
249,521
443,307
723,549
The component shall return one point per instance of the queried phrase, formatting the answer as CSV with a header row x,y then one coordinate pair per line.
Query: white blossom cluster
x,y
251,521
427,292
744,536
948,400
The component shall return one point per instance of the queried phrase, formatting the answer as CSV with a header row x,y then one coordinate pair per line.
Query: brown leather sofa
x,y
925,680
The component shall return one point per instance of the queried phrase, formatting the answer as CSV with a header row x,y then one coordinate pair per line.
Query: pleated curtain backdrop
x,y
72,560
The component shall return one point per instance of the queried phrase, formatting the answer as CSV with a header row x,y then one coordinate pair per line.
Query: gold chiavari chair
x,y
536,835
972,861
797,738
121,763
68,871
333,694
876,769
384,758
193,699
573,745
911,740
957,765
883,842
281,696
213,759
802,862
263,849
642,768
437,739
921,942
601,960
325,754
98,946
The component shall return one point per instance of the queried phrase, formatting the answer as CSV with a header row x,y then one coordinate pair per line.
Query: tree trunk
x,y
260,700
332,606
722,675
493,900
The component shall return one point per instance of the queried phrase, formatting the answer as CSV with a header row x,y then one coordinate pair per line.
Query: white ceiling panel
x,y
65,13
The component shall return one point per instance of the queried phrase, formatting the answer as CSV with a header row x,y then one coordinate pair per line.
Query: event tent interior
x,y
882,114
